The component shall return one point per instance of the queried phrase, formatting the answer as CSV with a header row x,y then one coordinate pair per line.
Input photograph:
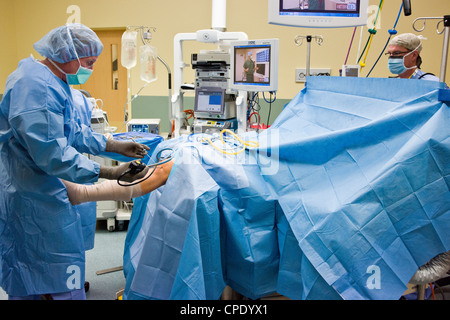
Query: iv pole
x,y
147,36
446,31
299,41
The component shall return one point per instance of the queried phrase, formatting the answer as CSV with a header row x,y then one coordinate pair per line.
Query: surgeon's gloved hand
x,y
114,173
127,148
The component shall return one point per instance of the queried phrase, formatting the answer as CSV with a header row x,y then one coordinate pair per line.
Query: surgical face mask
x,y
396,65
80,77
82,74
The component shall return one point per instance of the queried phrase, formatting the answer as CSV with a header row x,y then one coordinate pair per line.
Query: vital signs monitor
x,y
318,13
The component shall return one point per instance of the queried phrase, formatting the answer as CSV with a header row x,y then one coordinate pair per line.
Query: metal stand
x,y
299,41
105,271
146,36
421,292
446,31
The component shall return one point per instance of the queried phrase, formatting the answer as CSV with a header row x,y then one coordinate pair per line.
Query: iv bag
x,y
129,49
148,56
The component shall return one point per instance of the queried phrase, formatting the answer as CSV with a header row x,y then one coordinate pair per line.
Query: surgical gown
x,y
88,210
41,238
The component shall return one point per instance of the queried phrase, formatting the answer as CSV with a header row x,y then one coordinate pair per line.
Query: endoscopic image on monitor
x,y
252,65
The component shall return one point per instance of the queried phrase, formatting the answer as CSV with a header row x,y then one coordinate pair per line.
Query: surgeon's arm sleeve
x,y
88,141
41,133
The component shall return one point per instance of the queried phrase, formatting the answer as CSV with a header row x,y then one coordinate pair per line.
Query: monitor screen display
x,y
341,8
318,13
254,65
209,100
139,128
250,64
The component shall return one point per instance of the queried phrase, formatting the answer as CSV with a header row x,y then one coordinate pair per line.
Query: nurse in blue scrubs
x,y
42,249
404,57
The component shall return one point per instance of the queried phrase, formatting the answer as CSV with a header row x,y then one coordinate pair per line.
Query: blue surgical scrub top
x,y
41,142
88,210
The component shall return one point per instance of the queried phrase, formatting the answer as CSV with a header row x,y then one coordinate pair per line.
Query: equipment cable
x,y
391,33
369,40
137,166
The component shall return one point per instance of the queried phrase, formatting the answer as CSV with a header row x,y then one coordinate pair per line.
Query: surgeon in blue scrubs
x,y
404,57
88,211
42,249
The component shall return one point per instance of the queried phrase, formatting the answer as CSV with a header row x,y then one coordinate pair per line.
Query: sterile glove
x,y
127,148
109,136
113,173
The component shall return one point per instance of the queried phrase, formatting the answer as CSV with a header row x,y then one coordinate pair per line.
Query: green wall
x,y
158,107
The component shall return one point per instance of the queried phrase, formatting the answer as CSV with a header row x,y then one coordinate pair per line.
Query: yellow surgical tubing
x,y
363,62
245,144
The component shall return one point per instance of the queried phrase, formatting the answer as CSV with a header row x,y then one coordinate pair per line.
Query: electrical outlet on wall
x,y
300,74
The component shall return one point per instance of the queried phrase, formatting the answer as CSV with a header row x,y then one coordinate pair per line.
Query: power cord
x,y
136,166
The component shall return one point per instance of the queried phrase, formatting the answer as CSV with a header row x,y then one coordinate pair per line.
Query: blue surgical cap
x,y
57,45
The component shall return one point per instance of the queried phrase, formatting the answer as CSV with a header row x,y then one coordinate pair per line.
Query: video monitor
x,y
209,100
254,65
139,128
318,13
